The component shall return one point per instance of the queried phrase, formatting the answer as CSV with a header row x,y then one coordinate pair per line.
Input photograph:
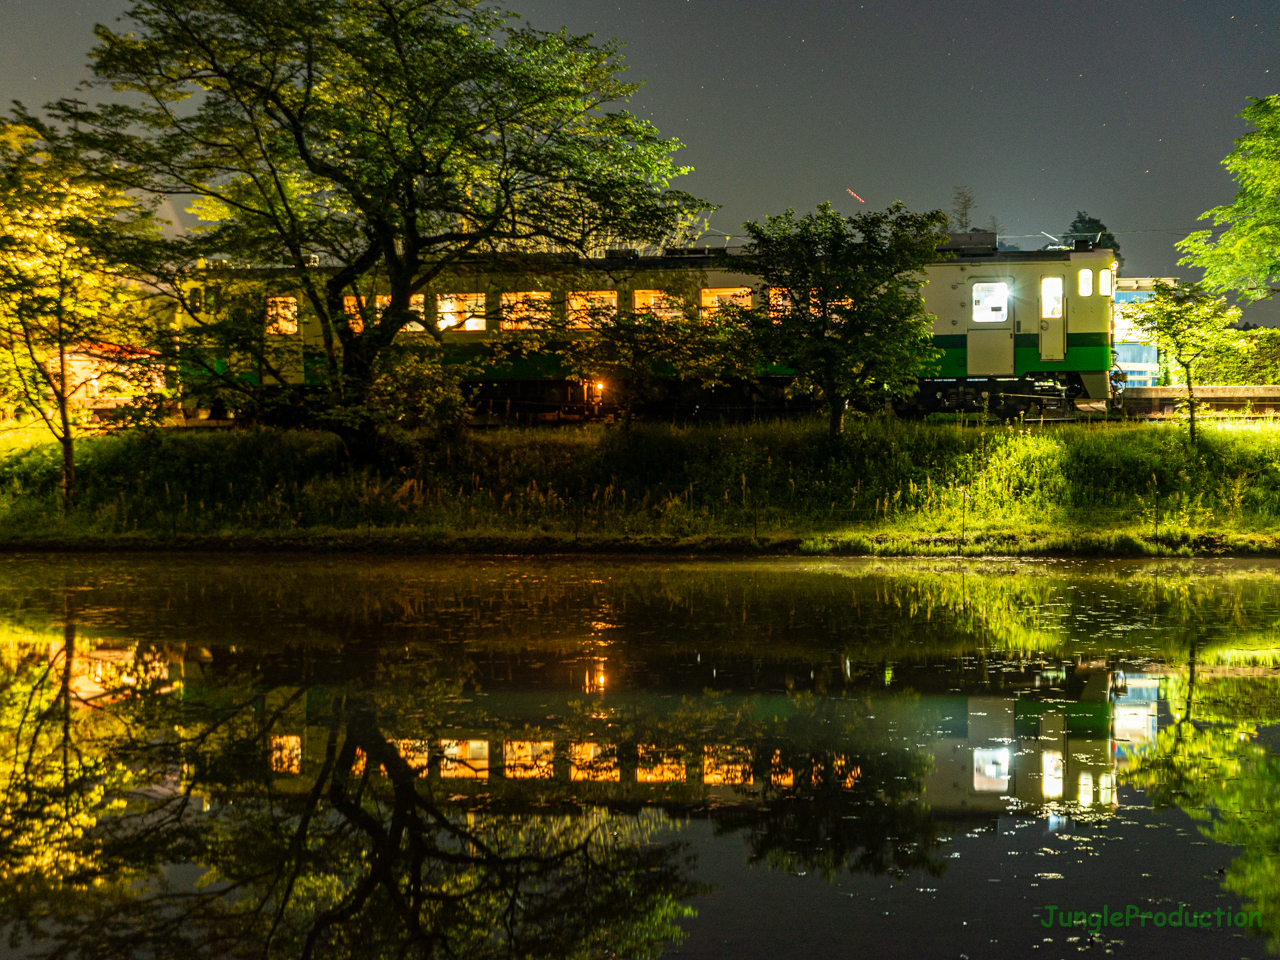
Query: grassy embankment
x,y
888,487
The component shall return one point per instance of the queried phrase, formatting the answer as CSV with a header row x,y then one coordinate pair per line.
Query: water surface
x,y
347,758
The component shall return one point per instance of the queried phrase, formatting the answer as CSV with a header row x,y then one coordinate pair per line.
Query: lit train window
x,y
466,309
657,302
990,302
714,297
282,316
1086,282
1051,298
587,305
1104,283
417,304
524,311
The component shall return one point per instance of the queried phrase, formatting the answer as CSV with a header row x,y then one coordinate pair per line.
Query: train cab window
x,y
460,311
417,305
713,298
526,311
1086,282
282,316
1051,298
657,302
585,306
1104,283
990,302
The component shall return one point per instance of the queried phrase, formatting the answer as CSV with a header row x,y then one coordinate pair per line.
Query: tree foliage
x,y
360,148
840,303
1244,257
1085,227
1189,326
63,294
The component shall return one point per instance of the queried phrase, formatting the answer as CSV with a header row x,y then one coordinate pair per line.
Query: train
x,y
1019,332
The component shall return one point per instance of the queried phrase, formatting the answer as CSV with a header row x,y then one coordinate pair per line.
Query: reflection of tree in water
x,y
1210,763
358,857
826,794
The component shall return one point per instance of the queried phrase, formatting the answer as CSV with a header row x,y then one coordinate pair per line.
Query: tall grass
x,y
773,479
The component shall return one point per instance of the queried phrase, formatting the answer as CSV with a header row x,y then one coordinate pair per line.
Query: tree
x,y
1085,227
362,148
961,209
672,340
840,301
1189,326
65,314
1244,257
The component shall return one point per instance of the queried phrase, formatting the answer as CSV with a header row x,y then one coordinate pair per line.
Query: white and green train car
x,y
1020,331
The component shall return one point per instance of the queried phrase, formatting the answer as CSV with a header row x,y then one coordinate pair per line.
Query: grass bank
x,y
888,487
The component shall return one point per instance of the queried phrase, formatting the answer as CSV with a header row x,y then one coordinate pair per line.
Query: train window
x,y
657,302
417,304
1050,298
525,311
1104,283
352,307
990,302
282,315
587,305
462,310
713,298
1086,282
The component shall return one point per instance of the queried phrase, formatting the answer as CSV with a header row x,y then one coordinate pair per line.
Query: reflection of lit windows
x,y
286,754
464,759
656,302
780,775
593,761
525,311
1106,789
726,765
659,766
1050,298
460,311
846,773
1051,774
990,302
414,753
282,316
1086,282
1086,789
991,770
1104,283
528,759
586,306
713,298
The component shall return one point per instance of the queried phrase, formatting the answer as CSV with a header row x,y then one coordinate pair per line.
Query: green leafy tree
x,y
1085,227
840,302
1189,326
1244,257
635,351
361,148
66,312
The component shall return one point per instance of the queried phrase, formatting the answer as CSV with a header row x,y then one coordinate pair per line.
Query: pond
x,y
346,757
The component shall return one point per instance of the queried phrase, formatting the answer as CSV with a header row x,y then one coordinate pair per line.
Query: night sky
x,y
1123,109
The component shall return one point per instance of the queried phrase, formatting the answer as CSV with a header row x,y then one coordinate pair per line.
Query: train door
x,y
1053,318
990,333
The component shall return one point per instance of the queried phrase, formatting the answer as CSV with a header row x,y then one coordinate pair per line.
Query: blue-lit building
x,y
1140,361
